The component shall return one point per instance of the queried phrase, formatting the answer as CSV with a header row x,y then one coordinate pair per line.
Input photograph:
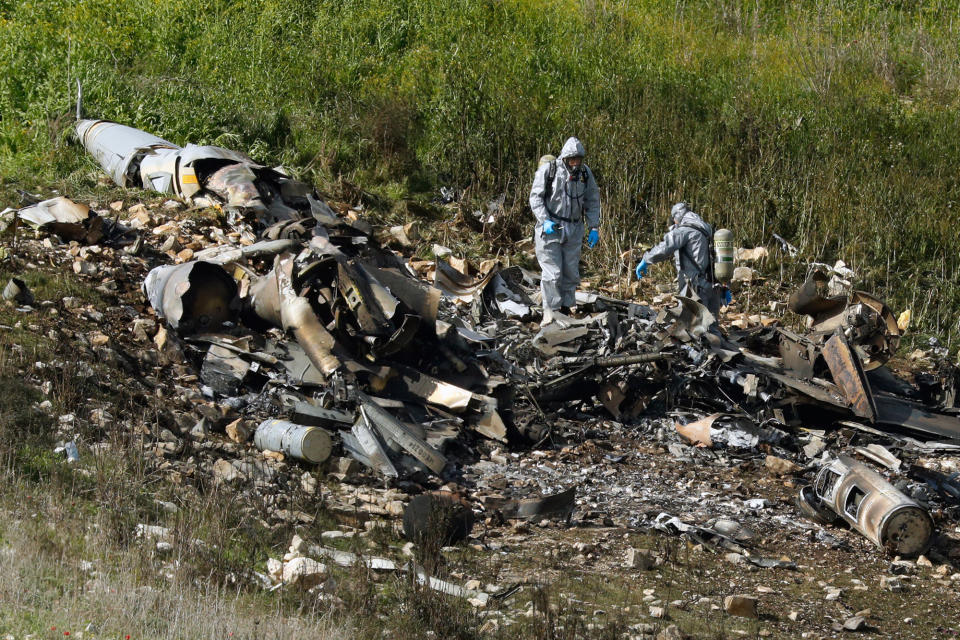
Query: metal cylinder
x,y
874,507
305,443
723,247
194,296
118,147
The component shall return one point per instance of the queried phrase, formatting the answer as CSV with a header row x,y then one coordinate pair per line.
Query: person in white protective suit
x,y
566,202
688,242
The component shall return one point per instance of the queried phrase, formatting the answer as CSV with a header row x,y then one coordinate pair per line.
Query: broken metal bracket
x,y
848,374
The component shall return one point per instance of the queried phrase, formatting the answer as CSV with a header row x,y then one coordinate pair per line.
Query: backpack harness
x,y
711,277
548,192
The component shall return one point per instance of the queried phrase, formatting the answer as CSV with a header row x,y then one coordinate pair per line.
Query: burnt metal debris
x,y
303,321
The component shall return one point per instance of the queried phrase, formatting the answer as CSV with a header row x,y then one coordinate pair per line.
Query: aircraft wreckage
x,y
404,366
203,175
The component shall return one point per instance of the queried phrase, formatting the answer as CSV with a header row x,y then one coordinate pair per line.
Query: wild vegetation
x,y
832,123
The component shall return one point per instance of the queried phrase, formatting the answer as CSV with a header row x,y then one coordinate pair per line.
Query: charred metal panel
x,y
849,376
902,413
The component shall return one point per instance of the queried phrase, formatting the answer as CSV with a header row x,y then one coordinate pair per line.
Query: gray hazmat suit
x,y
688,241
573,205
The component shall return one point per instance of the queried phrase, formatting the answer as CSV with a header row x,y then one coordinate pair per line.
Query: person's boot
x,y
547,316
565,310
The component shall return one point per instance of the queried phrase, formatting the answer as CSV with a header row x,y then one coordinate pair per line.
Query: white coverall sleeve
x,y
671,244
536,193
592,202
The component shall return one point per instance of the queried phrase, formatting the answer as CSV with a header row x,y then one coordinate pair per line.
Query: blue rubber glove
x,y
642,269
548,227
593,238
727,297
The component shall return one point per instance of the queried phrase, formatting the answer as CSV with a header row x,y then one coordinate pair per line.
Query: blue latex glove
x,y
642,269
727,297
593,238
548,227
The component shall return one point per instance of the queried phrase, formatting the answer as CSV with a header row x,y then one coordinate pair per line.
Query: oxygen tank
x,y
723,248
546,159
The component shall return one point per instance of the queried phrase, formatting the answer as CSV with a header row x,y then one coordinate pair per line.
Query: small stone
x,y
333,535
815,447
305,572
671,633
902,568
170,244
924,561
143,329
274,569
490,626
856,623
658,612
892,583
308,483
794,616
168,507
395,507
639,559
733,558
347,466
239,430
780,466
164,229
139,220
98,339
743,606
643,628
84,268
223,471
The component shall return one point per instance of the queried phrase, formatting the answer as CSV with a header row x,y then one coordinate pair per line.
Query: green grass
x,y
832,123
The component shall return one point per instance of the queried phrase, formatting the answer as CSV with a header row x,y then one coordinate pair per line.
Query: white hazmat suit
x,y
688,242
574,204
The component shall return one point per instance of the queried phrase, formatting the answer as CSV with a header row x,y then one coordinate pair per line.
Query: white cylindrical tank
x,y
723,247
305,443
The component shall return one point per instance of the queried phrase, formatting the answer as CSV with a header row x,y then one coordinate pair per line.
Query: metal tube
x,y
305,443
874,507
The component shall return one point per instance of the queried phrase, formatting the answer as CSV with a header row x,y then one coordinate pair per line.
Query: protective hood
x,y
571,148
691,219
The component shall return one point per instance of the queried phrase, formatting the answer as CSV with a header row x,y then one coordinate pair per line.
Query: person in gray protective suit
x,y
566,201
688,242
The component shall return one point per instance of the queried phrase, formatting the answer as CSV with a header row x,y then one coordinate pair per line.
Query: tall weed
x,y
832,123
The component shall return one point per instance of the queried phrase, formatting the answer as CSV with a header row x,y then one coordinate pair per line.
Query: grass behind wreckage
x,y
832,123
